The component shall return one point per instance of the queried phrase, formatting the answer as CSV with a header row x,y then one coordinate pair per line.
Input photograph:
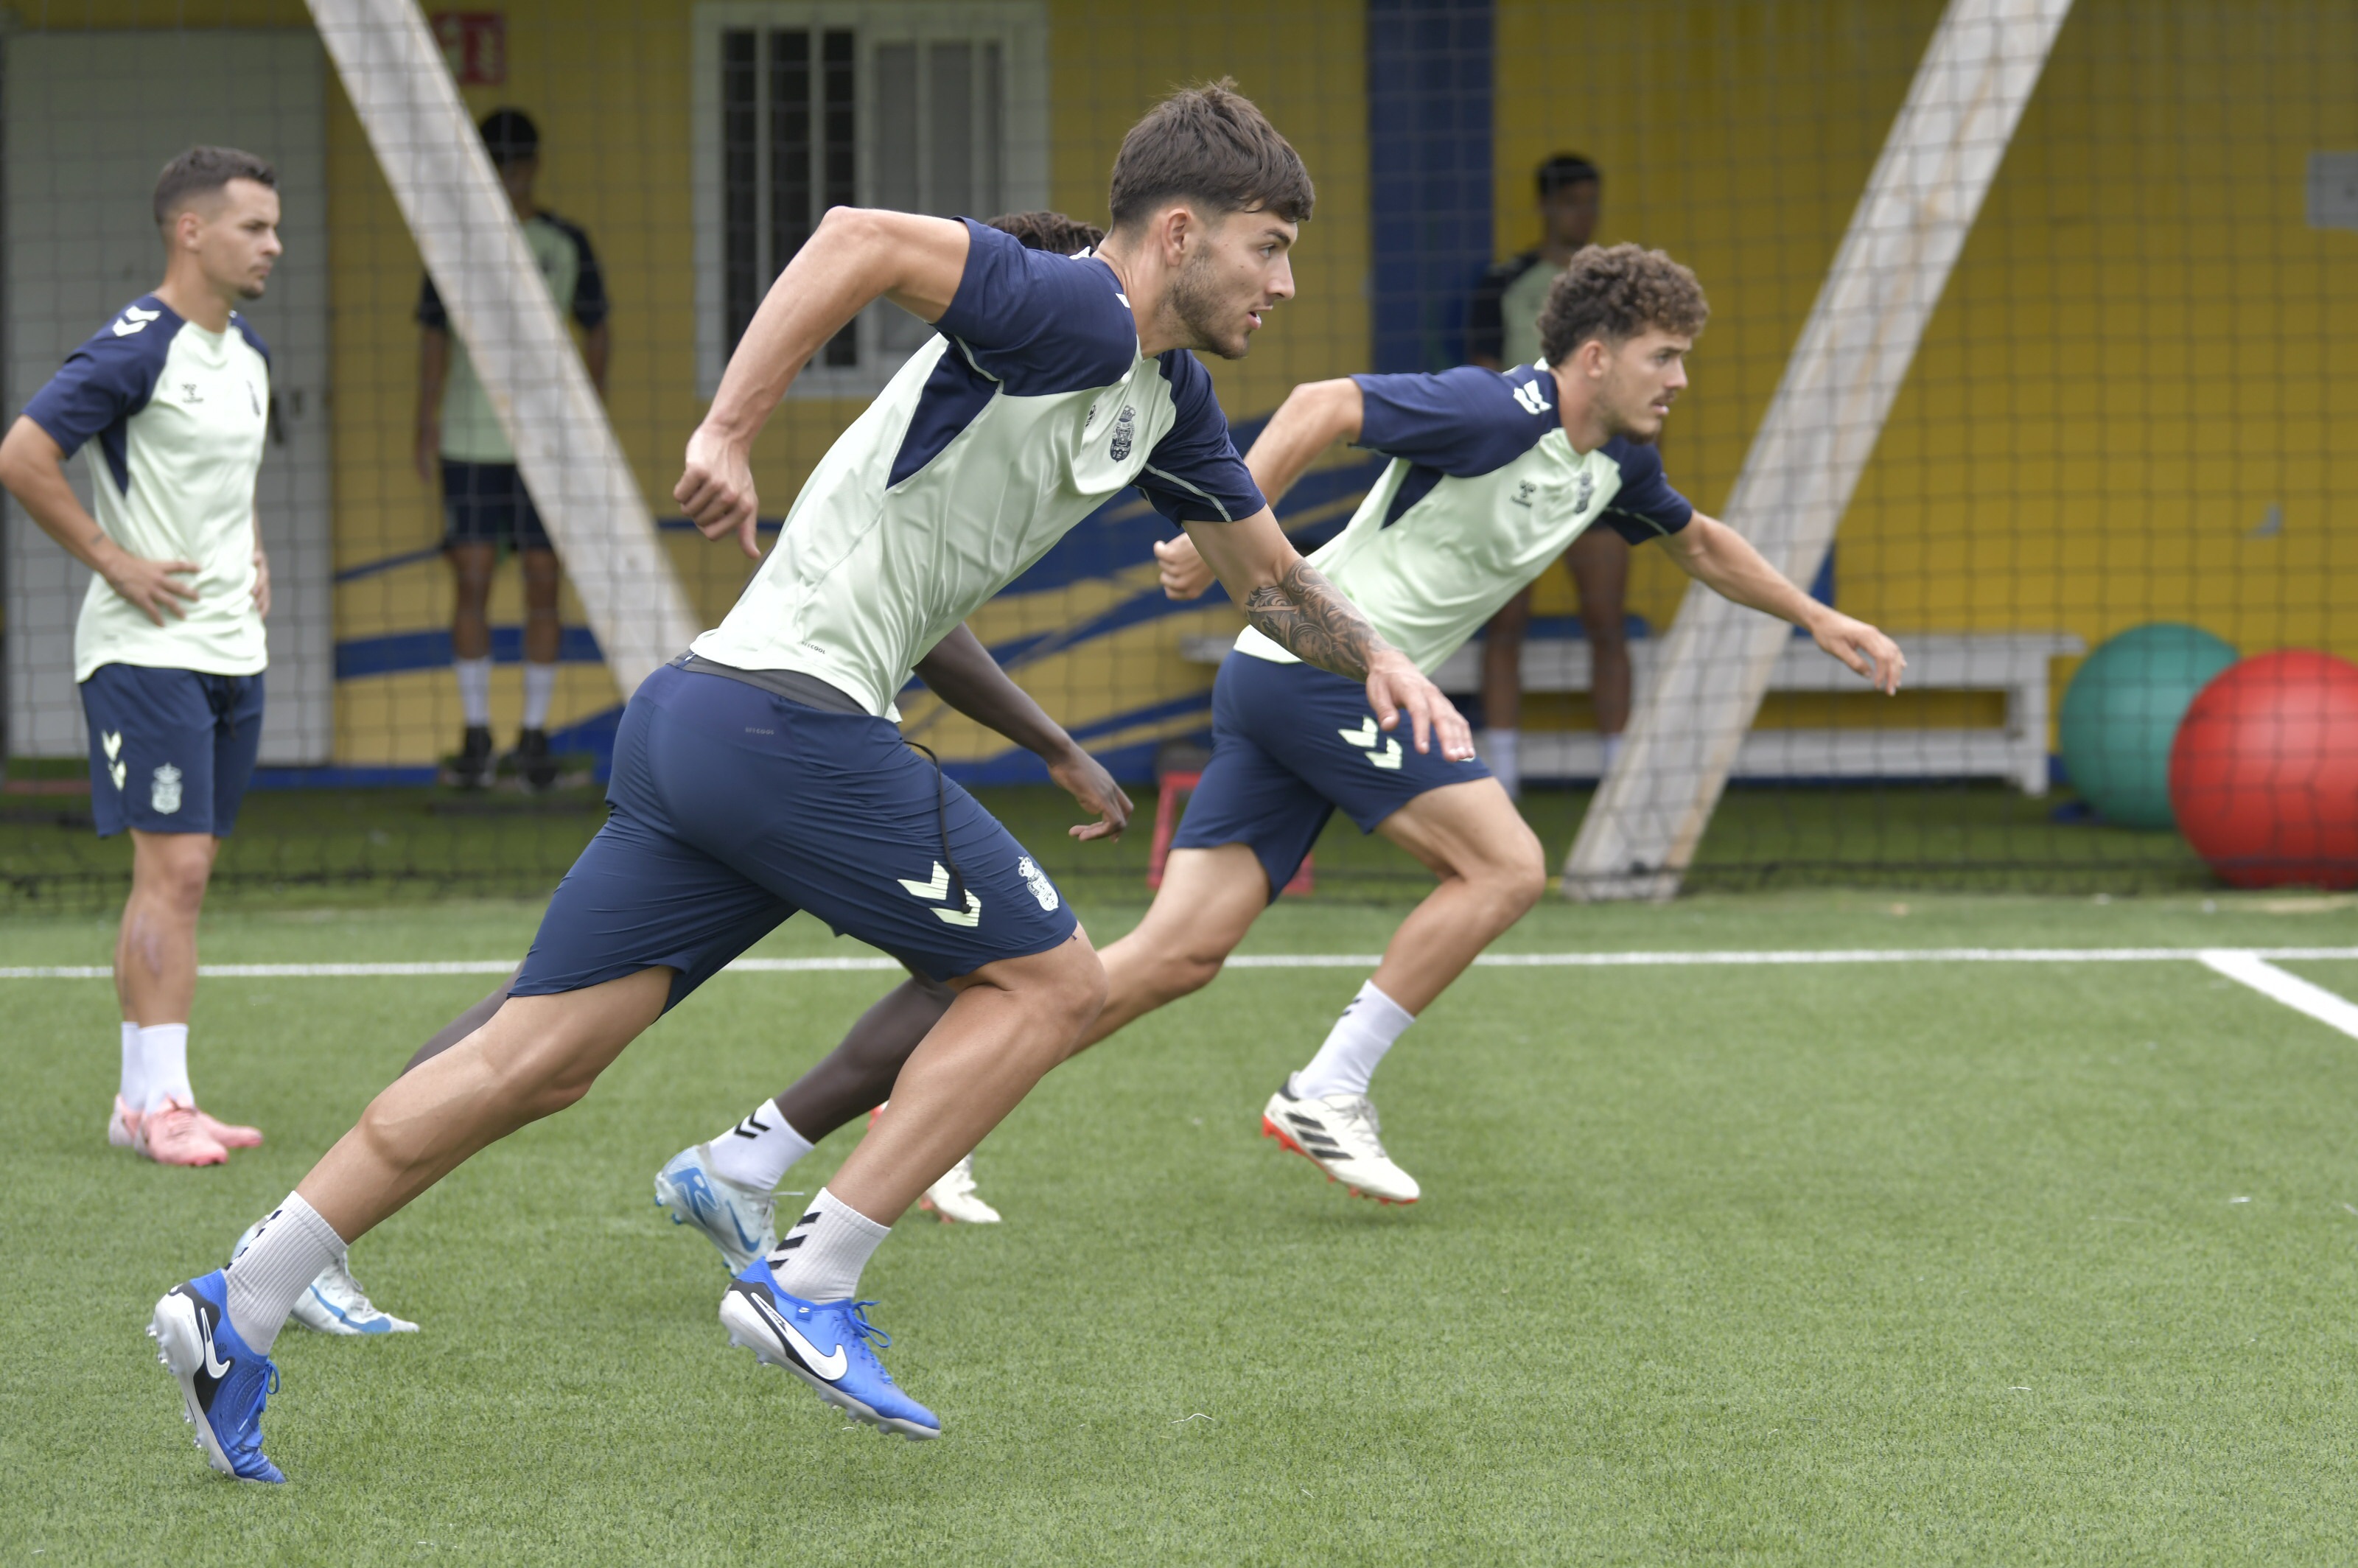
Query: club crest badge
x,y
1588,489
1037,880
1125,436
166,795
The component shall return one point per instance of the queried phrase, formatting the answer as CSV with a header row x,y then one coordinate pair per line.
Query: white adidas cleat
x,y
1341,1135
334,1303
954,1197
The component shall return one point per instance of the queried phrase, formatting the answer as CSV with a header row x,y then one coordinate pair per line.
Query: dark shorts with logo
x,y
486,503
733,807
1289,744
170,750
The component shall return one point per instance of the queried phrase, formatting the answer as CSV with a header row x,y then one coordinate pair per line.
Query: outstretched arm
x,y
1723,560
855,257
1314,417
961,672
1301,611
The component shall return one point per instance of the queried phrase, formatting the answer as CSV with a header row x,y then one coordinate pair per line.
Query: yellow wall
x,y
2138,354
608,81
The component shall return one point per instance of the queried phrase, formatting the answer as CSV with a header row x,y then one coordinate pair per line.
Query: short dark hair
x,y
1050,232
1213,145
509,136
201,171
1616,292
1567,168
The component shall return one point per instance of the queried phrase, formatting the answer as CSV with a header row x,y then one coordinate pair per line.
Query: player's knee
x,y
1512,877
1187,970
178,881
1076,985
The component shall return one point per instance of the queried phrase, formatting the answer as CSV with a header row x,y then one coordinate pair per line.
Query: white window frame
x,y
1020,27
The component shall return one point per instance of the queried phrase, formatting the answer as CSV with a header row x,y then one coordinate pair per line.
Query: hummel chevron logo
x,y
832,1366
1364,738
135,319
112,741
938,889
1532,399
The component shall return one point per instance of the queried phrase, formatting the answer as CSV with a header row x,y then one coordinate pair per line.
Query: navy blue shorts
x,y
170,750
486,503
1290,743
733,808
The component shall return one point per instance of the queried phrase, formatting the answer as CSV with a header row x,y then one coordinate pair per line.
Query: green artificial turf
x,y
338,845
1911,1263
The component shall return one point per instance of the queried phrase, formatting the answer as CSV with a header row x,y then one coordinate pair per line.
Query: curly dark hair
x,y
1616,292
1050,232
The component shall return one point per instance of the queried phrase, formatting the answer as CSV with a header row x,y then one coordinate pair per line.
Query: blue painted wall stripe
x,y
1429,155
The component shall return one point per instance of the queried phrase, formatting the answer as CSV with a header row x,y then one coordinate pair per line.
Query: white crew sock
x,y
1501,749
1612,750
132,1087
474,691
758,1150
269,1277
820,1258
539,686
164,1051
1354,1046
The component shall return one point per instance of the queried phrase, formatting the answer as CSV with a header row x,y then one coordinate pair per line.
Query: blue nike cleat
x,y
740,1221
787,1331
223,1384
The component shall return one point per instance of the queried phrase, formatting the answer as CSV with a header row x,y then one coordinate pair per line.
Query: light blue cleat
x,y
740,1221
826,1345
334,1303
223,1384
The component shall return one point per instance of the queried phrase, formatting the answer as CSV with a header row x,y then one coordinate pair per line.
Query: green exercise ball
x,y
2122,710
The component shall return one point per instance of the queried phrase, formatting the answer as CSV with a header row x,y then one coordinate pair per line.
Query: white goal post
x,y
1937,165
572,465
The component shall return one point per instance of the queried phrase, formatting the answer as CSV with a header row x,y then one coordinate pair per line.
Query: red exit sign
x,y
475,45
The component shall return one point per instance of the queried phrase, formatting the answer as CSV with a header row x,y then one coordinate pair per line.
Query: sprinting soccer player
x,y
168,651
1493,475
485,506
760,774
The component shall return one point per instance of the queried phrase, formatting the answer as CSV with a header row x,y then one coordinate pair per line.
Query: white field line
x,y
2214,957
2253,969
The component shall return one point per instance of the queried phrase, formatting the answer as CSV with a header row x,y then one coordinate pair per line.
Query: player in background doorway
x,y
1502,331
168,651
485,508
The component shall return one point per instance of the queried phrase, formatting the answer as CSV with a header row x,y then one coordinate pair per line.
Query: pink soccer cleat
x,y
228,1135
175,1135
122,1126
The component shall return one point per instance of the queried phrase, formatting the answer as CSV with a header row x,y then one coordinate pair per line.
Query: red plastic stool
x,y
1166,821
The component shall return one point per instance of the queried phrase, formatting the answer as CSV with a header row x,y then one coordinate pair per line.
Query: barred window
x,y
938,109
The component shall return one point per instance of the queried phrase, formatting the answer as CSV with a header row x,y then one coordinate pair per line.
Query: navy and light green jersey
x,y
179,415
470,428
1029,409
1503,322
1484,489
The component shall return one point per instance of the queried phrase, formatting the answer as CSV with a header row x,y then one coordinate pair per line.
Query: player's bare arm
x,y
856,258
961,672
1293,606
433,374
261,570
33,468
1314,417
1723,560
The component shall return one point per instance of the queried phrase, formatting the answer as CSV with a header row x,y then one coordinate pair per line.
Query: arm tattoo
x,y
1302,614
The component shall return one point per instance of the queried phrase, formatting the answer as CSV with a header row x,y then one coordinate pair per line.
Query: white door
x,y
90,120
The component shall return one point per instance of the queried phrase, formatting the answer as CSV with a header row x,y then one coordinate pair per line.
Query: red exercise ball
x,y
2263,772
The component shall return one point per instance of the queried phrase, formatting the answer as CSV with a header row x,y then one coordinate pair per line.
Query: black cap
x,y
1567,168
509,136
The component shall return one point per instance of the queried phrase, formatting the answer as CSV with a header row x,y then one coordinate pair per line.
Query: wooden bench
x,y
2015,664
